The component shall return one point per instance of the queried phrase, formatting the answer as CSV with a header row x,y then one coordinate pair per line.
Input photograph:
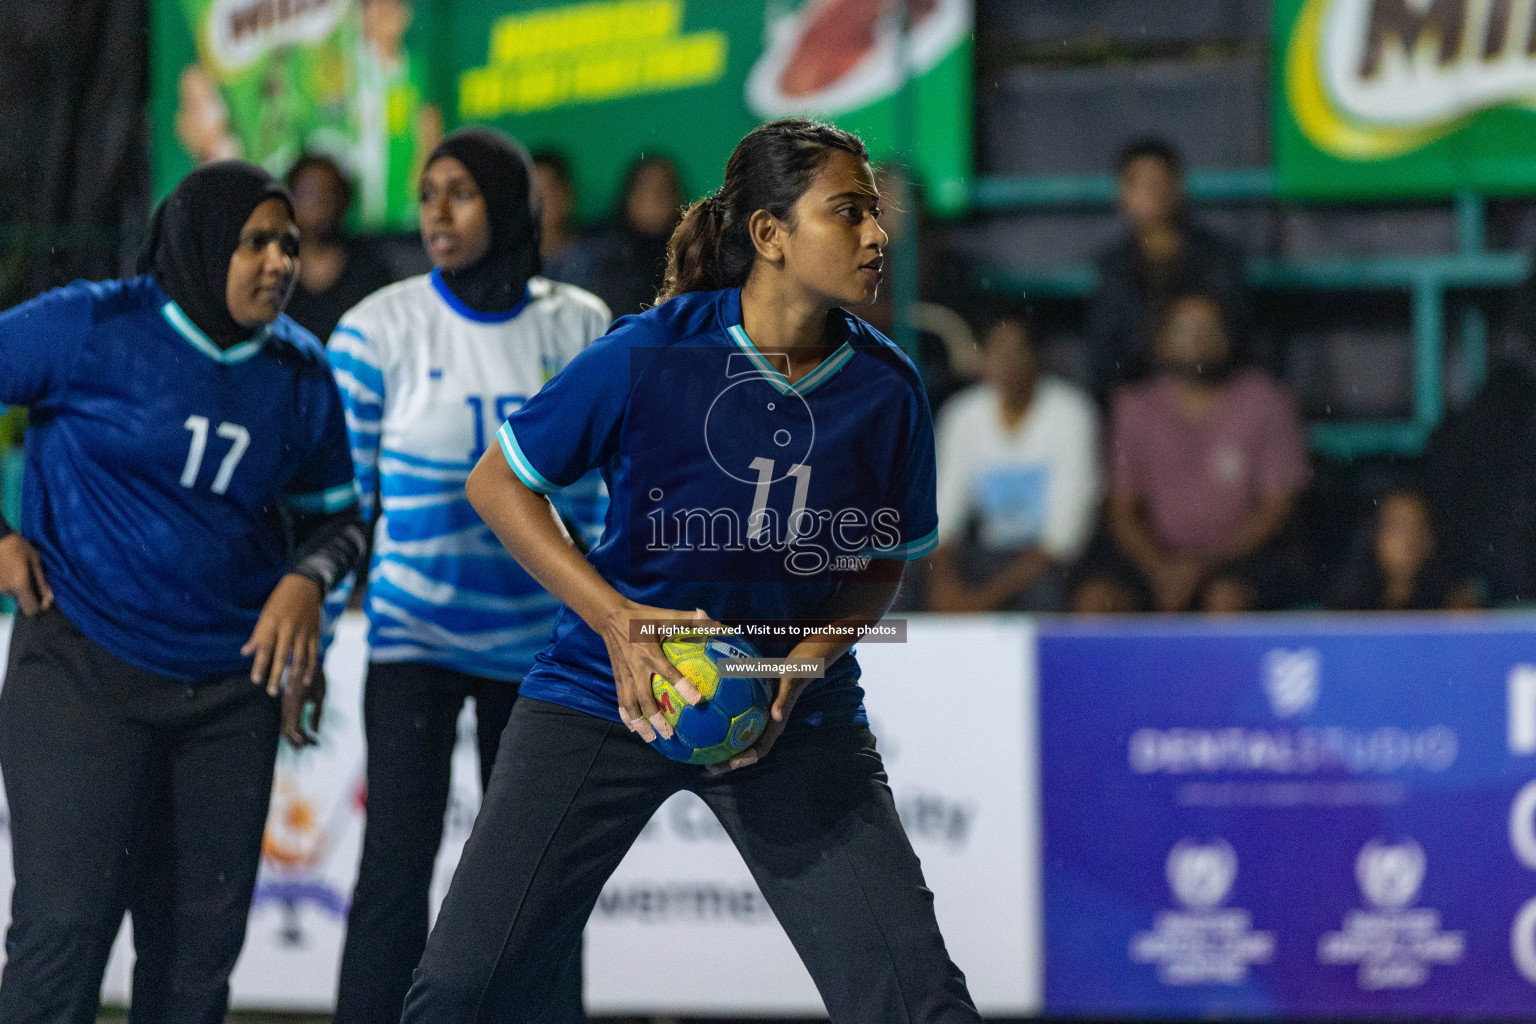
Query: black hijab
x,y
196,230
504,175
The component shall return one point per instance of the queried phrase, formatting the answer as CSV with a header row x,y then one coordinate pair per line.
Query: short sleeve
x,y
38,343
1282,464
359,373
573,424
324,481
913,493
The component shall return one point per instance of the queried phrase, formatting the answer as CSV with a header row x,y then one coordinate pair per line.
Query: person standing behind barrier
x,y
176,416
1165,253
624,263
335,273
559,244
429,368
1019,483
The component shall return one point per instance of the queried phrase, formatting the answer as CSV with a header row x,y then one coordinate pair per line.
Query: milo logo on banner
x,y
1367,79
238,32
269,80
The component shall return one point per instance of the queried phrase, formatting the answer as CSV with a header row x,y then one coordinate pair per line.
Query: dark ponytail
x,y
770,170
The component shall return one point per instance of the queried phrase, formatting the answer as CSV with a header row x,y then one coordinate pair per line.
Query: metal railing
x,y
1425,279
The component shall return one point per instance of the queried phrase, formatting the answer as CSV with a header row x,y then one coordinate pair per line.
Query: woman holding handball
x,y
769,458
189,500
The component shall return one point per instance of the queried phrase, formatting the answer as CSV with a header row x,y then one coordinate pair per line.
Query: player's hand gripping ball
x,y
733,712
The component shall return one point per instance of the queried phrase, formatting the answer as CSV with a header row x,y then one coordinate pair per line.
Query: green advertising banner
x,y
267,80
1405,97
373,83
607,80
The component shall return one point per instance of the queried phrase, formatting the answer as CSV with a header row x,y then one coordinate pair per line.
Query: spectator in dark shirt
x,y
1396,564
335,273
1206,463
1163,254
624,264
558,241
1480,480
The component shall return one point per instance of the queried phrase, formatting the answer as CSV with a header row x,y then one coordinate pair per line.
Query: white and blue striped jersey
x,y
426,382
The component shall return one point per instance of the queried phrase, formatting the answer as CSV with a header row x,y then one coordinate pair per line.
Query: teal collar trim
x,y
810,382
204,344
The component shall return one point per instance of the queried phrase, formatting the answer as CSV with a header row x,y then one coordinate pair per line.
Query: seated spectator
x,y
1206,463
557,204
1019,483
1396,564
1480,480
1163,254
623,265
335,273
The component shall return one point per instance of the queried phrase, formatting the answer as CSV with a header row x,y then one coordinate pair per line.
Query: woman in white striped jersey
x,y
429,368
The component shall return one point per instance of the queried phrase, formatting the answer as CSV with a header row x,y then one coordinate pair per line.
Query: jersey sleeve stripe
x,y
359,424
357,390
347,331
520,464
356,382
352,353
332,500
906,552
347,352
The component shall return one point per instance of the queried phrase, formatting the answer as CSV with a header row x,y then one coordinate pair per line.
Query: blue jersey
x,y
426,381
732,490
158,467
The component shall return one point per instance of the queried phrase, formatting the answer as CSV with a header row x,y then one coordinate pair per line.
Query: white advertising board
x,y
954,710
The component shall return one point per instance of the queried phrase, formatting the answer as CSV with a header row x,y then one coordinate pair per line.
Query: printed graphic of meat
x,y
835,56
836,38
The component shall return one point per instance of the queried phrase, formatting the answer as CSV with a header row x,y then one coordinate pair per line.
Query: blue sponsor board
x,y
1290,817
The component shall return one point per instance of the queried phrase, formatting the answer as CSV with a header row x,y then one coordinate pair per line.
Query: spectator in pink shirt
x,y
1206,463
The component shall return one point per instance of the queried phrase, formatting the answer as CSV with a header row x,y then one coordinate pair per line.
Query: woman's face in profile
x,y
264,266
834,244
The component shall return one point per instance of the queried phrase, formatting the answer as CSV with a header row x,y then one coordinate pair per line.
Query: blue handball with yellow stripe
x,y
733,712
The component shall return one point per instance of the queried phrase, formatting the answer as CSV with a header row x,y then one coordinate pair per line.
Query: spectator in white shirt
x,y
1020,479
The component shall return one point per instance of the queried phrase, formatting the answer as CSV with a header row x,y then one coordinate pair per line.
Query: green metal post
x,y
1470,219
1471,237
1428,343
1474,348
